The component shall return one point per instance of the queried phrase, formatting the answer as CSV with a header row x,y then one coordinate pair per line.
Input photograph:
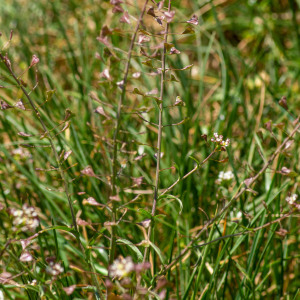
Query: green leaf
x,y
159,253
173,197
133,247
195,159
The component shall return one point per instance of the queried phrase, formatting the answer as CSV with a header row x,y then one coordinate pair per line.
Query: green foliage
x,y
108,137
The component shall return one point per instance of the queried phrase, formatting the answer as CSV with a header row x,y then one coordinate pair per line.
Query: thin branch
x,y
189,173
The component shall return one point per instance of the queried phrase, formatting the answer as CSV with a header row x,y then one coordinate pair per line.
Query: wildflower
x,y
225,177
25,219
218,139
33,282
291,199
121,267
35,60
54,268
26,257
21,153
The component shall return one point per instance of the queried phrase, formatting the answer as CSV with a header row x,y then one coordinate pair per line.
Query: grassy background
x,y
245,57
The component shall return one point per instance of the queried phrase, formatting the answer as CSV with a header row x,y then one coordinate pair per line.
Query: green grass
x,y
245,58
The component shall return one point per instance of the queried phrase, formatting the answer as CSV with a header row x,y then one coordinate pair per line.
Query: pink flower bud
x,y
35,60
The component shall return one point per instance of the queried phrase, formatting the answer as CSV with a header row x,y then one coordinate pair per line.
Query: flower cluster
x,y
21,153
291,200
54,268
225,176
218,139
25,219
123,267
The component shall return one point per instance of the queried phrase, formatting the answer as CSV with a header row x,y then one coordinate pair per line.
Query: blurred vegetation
x,y
244,57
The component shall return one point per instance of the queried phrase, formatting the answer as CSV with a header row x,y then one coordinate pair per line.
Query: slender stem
x,y
116,135
189,173
160,127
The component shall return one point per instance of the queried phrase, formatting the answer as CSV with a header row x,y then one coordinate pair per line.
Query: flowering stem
x,y
160,127
116,134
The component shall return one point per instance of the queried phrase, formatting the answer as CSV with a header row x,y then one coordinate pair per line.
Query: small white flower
x,y
54,269
291,199
219,140
121,267
225,177
25,219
